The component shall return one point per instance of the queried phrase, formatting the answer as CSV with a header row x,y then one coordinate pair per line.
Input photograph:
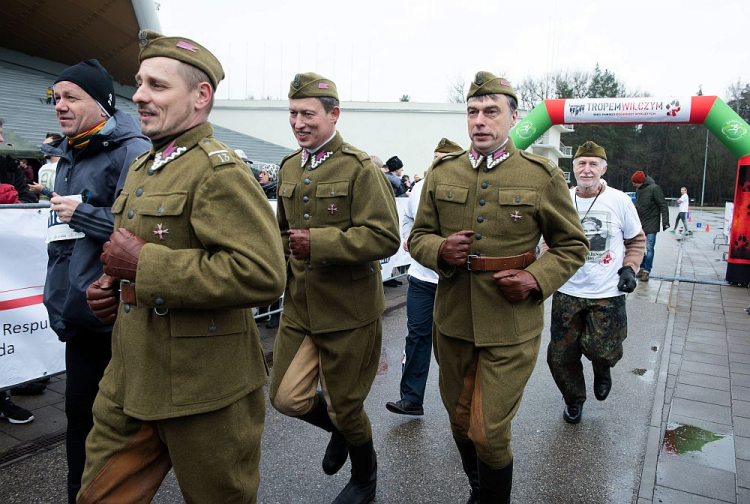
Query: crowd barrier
x,y
29,349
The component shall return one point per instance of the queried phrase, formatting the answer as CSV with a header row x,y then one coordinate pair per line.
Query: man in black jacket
x,y
650,203
10,173
99,144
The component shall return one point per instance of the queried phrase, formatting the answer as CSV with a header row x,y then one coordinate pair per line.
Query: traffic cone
x,y
690,218
708,228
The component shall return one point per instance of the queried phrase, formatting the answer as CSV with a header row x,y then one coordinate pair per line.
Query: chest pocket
x,y
333,203
451,206
516,209
286,193
160,218
119,203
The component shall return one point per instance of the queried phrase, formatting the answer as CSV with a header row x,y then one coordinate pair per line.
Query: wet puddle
x,y
699,445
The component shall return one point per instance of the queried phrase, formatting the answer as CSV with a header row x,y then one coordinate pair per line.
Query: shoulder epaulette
x,y
447,157
140,160
218,153
362,156
542,161
289,156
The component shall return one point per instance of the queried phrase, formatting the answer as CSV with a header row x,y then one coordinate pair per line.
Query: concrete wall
x,y
410,131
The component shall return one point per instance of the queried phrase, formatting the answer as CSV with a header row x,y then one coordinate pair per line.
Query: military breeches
x,y
595,328
345,363
481,388
215,455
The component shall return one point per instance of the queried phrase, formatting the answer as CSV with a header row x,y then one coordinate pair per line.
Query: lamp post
x,y
705,161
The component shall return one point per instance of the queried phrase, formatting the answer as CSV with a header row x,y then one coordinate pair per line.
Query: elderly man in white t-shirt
x,y
588,312
684,203
420,301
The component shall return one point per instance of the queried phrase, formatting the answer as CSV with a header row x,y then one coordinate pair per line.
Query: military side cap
x,y
154,45
485,83
590,149
312,85
446,146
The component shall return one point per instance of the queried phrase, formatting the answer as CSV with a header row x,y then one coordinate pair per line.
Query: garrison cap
x,y
446,146
485,83
590,149
312,85
154,45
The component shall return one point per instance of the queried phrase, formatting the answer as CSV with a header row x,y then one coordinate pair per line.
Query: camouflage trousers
x,y
595,328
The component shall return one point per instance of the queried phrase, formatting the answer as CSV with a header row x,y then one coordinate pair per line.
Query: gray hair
x,y
512,103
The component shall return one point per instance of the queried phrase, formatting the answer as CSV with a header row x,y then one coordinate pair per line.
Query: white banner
x,y
29,349
627,110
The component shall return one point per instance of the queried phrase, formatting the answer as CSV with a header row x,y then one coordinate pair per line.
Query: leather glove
x,y
627,281
103,299
299,243
454,249
121,252
666,226
516,285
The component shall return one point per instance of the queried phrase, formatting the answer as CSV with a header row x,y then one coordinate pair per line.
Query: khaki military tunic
x,y
190,344
509,206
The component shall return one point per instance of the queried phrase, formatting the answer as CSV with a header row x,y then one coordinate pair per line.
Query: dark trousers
x,y
420,301
681,216
86,356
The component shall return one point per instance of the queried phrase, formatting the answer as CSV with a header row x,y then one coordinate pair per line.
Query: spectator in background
x,y
46,174
395,169
100,143
50,95
684,208
406,182
27,169
417,178
11,174
269,179
650,203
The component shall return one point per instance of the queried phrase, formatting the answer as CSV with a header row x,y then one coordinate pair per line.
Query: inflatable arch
x,y
710,111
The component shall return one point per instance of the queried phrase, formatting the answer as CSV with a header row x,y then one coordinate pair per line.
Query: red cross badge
x,y
160,232
516,217
332,209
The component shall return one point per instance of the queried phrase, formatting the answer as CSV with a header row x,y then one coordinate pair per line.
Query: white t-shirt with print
x,y
608,222
684,201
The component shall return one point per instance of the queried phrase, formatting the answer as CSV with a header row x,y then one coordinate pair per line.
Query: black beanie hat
x,y
91,76
394,164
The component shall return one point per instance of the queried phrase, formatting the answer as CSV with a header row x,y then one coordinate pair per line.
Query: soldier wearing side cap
x,y
338,218
195,247
480,218
588,312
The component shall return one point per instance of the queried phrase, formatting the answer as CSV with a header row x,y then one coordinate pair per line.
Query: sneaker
x,y
27,389
644,277
14,414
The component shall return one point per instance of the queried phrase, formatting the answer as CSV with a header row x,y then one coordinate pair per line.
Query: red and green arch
x,y
710,111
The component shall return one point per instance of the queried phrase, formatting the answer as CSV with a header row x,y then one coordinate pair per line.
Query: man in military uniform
x,y
338,218
588,312
195,247
480,218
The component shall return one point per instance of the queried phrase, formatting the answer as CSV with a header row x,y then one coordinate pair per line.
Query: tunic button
x,y
212,328
305,199
149,172
310,168
309,267
139,191
485,169
307,181
333,193
159,302
482,202
484,185
480,219
160,210
478,236
324,262
127,308
131,214
306,216
518,200
450,195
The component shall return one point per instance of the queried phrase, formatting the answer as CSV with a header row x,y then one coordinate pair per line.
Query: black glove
x,y
627,281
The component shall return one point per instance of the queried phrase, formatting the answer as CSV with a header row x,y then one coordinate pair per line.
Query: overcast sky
x,y
379,51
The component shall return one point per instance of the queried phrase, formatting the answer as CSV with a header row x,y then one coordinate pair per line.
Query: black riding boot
x,y
337,449
495,484
362,484
469,461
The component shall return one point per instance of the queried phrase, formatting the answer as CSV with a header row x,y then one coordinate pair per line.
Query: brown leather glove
x,y
299,243
454,249
103,299
516,285
121,252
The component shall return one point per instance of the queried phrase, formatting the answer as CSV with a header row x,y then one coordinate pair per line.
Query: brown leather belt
x,y
485,263
127,292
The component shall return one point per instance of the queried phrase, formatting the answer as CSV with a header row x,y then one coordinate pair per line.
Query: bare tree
x,y
457,90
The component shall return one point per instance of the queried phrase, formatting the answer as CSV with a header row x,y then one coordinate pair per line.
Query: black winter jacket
x,y
97,173
650,202
11,173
